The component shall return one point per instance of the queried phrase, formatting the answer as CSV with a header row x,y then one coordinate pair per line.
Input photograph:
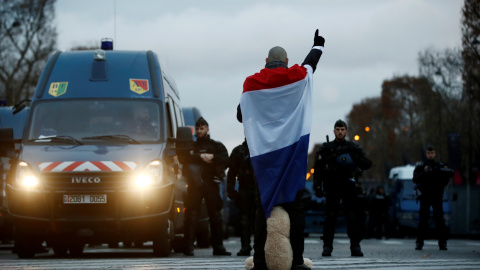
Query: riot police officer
x,y
431,177
336,166
240,169
204,164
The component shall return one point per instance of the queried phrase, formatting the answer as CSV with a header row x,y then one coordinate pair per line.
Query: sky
x,y
210,47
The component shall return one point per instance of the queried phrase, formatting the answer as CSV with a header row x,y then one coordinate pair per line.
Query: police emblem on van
x,y
58,88
139,86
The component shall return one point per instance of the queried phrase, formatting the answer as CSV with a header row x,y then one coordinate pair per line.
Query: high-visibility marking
x,y
86,166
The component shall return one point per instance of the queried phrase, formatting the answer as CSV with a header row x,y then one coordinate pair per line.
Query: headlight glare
x,y
151,175
25,177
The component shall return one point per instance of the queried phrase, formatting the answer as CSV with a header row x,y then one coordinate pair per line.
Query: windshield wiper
x,y
59,139
119,138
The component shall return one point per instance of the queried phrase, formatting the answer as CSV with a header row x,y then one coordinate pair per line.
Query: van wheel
x,y
162,242
24,252
178,244
24,247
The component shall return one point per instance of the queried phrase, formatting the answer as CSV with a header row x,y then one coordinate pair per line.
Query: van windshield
x,y
96,120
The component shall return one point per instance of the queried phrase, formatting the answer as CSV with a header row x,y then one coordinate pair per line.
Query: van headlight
x,y
25,177
152,174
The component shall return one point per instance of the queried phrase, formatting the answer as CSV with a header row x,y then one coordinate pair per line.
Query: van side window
x,y
169,121
179,116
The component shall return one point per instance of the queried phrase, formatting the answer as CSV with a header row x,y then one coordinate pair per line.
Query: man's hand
x,y
208,158
318,40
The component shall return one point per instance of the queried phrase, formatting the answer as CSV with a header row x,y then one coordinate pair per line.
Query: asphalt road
x,y
391,254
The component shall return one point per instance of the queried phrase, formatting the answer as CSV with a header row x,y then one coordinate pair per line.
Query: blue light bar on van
x,y
107,44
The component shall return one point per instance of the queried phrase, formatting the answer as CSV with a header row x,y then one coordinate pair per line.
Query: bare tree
x,y
471,79
27,38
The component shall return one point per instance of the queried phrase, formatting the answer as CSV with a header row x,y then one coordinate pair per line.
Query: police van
x,y
97,163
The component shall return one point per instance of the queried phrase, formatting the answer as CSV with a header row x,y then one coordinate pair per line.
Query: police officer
x,y
431,177
378,212
241,169
336,166
205,163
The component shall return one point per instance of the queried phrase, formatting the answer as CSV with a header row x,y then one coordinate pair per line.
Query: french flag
x,y
276,107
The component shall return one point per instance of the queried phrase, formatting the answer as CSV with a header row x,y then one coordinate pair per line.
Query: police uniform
x,y
431,182
201,185
241,169
336,164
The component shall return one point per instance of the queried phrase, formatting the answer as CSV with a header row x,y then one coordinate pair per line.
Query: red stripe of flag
x,y
273,78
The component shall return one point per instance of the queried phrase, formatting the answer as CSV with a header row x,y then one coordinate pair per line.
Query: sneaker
x,y
356,251
418,246
327,251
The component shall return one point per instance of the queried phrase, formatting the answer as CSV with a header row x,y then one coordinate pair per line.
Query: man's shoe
x,y
221,253
327,251
301,267
442,246
244,252
356,251
418,246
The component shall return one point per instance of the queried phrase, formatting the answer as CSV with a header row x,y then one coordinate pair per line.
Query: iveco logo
x,y
85,180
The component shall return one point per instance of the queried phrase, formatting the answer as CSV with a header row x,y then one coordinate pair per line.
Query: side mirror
x,y
184,134
183,143
7,143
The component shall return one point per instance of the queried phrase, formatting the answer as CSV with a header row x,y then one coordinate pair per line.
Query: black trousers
x,y
296,213
196,192
353,215
437,205
246,210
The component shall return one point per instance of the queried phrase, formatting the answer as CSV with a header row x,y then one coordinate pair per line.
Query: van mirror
x,y
183,143
7,143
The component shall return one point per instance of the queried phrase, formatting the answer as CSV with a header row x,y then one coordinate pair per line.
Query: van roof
x,y
402,172
123,74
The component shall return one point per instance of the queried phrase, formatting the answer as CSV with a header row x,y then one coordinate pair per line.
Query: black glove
x,y
318,40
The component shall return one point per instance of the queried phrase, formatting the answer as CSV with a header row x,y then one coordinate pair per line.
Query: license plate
x,y
73,199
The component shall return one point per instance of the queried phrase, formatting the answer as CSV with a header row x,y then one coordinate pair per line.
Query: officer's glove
x,y
318,40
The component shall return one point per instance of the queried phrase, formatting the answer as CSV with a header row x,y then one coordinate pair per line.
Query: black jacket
x,y
240,167
216,169
336,162
431,183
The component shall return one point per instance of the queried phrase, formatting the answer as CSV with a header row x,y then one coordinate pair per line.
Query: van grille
x,y
86,181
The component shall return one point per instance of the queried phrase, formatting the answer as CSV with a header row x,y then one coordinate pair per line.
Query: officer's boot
x,y
327,249
442,244
419,244
216,229
190,232
355,249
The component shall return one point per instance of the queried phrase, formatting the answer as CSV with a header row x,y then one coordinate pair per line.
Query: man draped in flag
x,y
276,112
